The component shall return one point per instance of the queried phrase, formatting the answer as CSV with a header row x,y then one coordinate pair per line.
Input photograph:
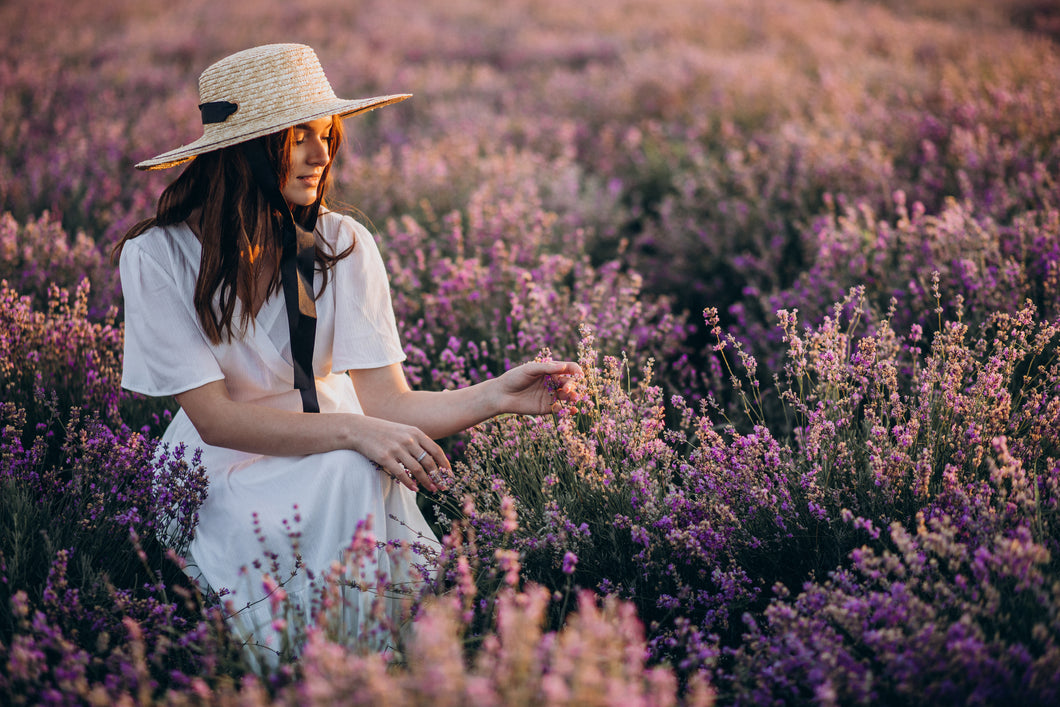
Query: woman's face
x,y
309,155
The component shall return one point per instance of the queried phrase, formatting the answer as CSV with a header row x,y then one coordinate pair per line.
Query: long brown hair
x,y
239,229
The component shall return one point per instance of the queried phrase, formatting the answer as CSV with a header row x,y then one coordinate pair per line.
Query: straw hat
x,y
261,91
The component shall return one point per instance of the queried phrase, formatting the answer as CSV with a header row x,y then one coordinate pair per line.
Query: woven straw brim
x,y
302,113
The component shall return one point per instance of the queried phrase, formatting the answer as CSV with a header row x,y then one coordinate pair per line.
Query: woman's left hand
x,y
535,388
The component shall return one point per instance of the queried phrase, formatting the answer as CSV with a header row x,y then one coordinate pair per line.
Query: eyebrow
x,y
307,126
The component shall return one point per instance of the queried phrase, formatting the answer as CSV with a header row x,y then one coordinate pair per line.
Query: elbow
x,y
207,429
208,409
209,435
218,426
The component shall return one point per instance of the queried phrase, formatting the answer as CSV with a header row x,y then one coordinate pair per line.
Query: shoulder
x,y
340,231
160,243
170,250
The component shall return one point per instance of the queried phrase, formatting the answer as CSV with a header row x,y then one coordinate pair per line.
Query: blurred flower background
x,y
807,252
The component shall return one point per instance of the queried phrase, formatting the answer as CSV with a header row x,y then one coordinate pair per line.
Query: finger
x,y
400,473
436,457
442,468
570,368
422,466
425,460
567,390
560,368
540,369
413,471
561,379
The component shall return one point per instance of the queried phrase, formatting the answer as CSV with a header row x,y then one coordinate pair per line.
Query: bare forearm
x,y
529,389
439,413
258,429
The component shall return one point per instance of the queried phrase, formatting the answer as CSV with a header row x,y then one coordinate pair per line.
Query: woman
x,y
268,317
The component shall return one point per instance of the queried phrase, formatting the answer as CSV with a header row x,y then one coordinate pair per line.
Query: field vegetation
x,y
807,253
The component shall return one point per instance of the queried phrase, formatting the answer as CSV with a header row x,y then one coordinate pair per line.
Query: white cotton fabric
x,y
252,496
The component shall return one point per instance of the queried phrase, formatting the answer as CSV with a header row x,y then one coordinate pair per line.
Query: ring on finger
x,y
421,456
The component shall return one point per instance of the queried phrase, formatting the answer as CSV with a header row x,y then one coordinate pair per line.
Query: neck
x,y
194,222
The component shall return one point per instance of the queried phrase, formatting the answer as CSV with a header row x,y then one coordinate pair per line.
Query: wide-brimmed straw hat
x,y
261,91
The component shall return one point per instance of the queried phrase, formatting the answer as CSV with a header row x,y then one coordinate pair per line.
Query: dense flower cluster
x,y
40,255
839,486
935,617
696,527
84,503
60,353
474,299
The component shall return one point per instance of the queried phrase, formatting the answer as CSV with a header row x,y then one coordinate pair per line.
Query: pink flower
x,y
511,523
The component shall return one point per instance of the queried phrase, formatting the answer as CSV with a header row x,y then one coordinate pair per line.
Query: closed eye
x,y
299,139
322,129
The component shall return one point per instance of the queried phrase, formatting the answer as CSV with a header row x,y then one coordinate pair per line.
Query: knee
x,y
349,472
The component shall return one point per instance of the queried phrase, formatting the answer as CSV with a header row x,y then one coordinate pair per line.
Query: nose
x,y
319,154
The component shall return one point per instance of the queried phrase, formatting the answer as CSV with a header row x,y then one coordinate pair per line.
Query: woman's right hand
x,y
402,451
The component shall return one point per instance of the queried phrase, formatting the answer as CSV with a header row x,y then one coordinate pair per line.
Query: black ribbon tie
x,y
297,263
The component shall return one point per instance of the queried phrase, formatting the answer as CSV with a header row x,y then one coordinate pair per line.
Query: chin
x,y
302,200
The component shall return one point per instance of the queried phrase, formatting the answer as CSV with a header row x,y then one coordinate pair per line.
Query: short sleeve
x,y
366,334
166,351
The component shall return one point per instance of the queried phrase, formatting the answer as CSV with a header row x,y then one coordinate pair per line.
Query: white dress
x,y
167,352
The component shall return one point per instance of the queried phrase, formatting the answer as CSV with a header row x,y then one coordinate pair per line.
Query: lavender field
x,y
807,253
